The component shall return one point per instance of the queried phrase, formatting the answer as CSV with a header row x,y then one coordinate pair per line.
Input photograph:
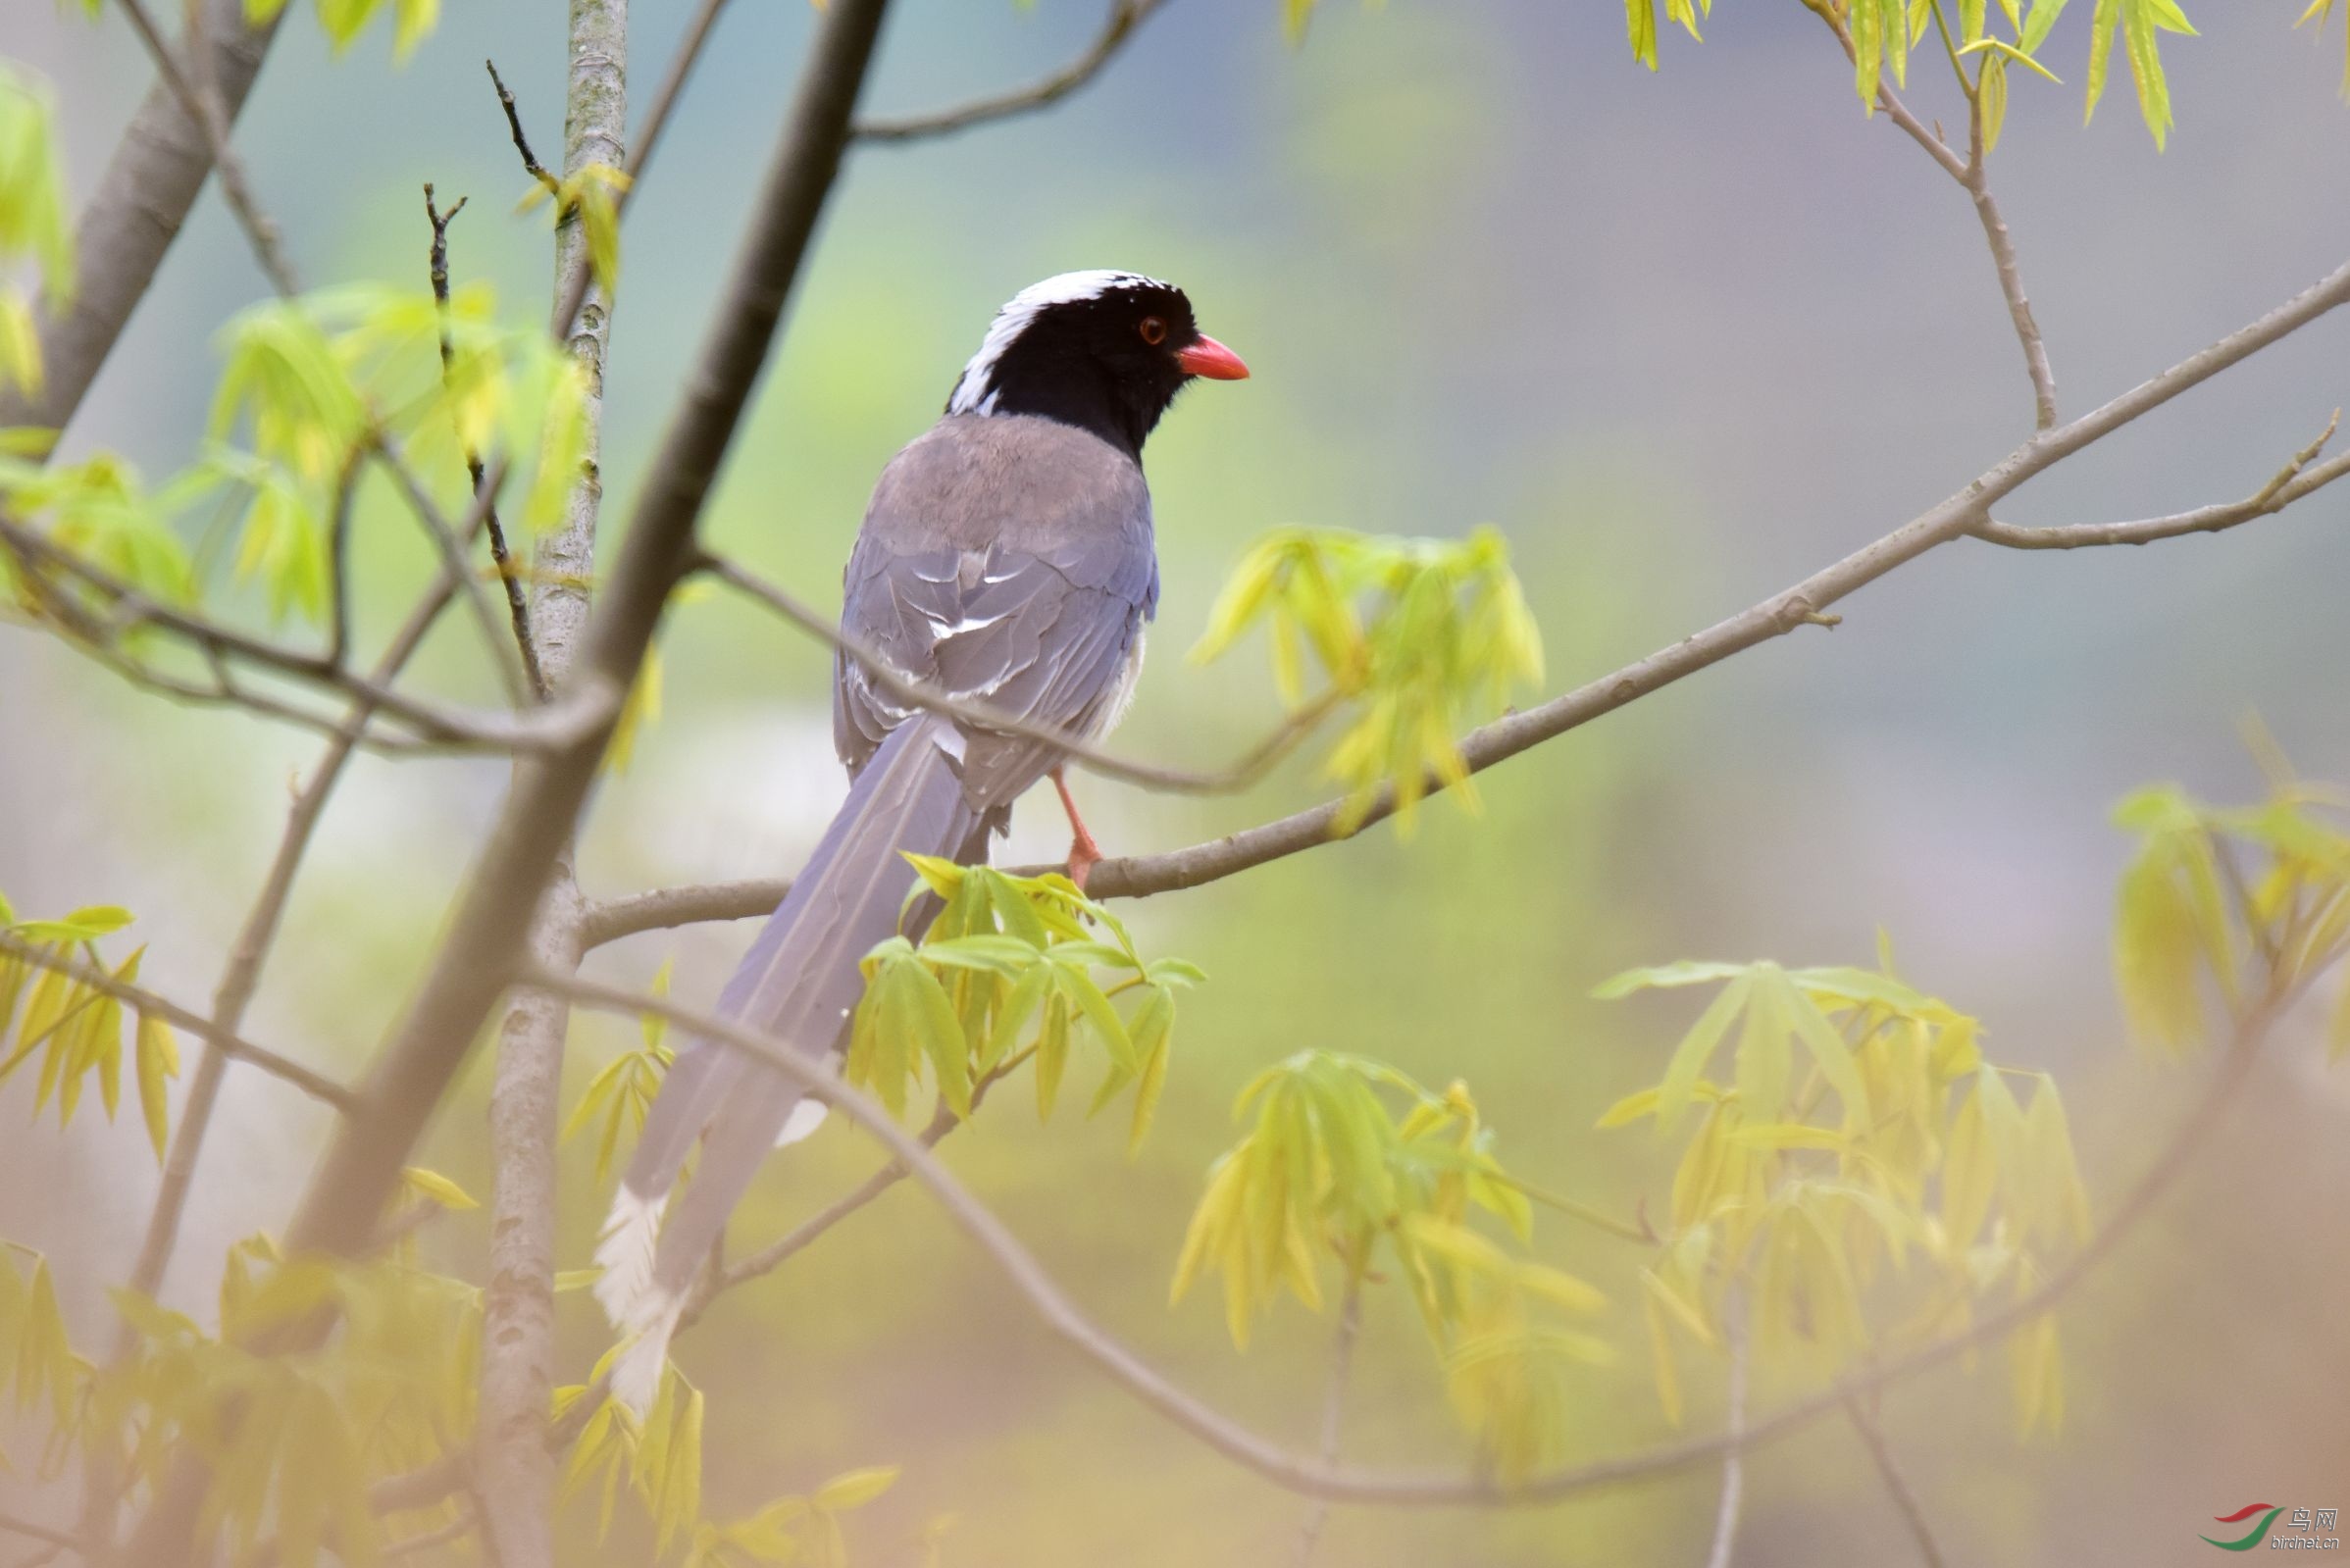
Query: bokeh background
x,y
1685,337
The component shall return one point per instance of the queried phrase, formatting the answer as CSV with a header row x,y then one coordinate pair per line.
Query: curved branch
x,y
1124,17
1253,766
2292,483
1309,1474
314,1084
1912,1512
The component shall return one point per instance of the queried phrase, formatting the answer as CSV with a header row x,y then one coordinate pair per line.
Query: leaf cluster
x,y
1859,1126
1013,969
296,1440
657,1460
1883,33
77,1030
1347,1160
33,227
2221,906
1414,634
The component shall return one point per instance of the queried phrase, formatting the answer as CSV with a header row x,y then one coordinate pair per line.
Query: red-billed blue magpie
x,y
1006,557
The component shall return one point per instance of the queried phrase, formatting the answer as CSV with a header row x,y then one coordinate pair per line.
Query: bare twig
x,y
127,607
1307,1474
452,550
339,562
2292,483
1783,612
1968,173
1253,766
211,117
1913,1514
665,96
2010,275
1125,15
522,141
1334,1409
518,604
769,1258
140,998
1733,1462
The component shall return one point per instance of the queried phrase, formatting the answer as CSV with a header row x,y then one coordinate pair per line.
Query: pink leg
x,y
1084,853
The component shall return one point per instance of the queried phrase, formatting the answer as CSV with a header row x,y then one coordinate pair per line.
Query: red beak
x,y
1204,356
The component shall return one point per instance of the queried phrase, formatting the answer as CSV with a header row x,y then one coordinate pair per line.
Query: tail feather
x,y
800,984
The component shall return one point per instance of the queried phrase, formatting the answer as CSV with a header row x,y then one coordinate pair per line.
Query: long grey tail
x,y
800,984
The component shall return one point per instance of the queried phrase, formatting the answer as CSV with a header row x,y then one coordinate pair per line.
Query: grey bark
x,y
516,1477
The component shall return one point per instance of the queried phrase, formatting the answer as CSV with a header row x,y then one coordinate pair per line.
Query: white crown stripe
x,y
975,390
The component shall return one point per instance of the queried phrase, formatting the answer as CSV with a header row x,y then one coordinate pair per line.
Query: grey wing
x,y
1048,636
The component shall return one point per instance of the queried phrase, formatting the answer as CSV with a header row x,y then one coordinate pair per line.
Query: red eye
x,y
1154,330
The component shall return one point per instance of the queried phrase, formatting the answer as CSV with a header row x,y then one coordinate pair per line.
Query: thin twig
x,y
1334,1409
1913,1514
1307,1474
1125,15
1968,173
2292,483
551,728
518,603
338,554
1253,766
240,975
205,109
665,96
314,1084
1733,1462
451,550
522,141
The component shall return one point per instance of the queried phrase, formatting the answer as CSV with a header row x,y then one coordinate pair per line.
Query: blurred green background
x,y
1685,338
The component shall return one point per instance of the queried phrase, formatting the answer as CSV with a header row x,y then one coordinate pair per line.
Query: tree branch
x,y
1912,1513
666,907
1253,766
314,1084
1334,1410
2292,483
574,291
1968,173
129,608
518,604
1312,1477
484,942
1125,15
213,118
515,1471
1733,1462
151,181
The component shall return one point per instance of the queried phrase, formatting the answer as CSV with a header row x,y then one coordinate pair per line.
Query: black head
x,y
1104,351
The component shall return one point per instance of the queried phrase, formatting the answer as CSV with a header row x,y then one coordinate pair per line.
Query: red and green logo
x,y
2259,1532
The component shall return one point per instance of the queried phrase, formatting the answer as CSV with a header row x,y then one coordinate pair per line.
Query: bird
x,y
1007,558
